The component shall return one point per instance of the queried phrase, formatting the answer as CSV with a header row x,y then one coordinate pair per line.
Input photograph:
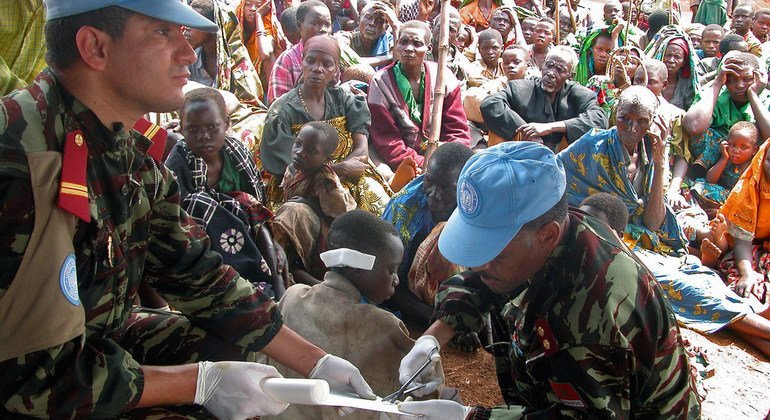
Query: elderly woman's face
x,y
204,130
632,123
318,68
674,58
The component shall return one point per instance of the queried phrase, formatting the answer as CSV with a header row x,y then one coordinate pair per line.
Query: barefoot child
x,y
313,198
340,313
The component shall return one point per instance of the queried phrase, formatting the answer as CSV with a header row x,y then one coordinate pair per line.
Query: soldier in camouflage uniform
x,y
582,328
86,215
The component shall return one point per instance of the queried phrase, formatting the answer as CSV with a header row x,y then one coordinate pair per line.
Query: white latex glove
x,y
426,347
231,390
342,376
434,410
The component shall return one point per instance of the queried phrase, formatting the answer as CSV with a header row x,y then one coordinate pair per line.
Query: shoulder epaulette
x,y
156,134
73,189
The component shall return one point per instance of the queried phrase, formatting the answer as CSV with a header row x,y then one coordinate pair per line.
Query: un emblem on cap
x,y
469,198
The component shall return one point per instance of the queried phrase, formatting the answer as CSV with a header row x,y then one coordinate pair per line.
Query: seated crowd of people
x,y
343,118
307,131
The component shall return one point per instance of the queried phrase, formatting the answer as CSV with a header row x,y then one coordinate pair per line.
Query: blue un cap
x,y
174,11
499,190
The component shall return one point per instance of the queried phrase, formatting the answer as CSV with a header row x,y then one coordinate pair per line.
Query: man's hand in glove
x,y
231,390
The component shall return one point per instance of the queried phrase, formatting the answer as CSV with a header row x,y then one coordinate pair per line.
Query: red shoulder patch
x,y
567,394
73,189
156,134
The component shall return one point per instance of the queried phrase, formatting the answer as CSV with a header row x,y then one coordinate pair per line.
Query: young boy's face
x,y
307,152
654,82
515,63
742,146
204,130
710,43
528,29
379,284
489,49
761,26
696,41
741,19
543,36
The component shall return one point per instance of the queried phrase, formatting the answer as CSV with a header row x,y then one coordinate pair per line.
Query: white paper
x,y
345,400
316,392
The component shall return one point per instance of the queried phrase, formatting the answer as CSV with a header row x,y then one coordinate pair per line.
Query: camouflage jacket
x,y
138,232
589,336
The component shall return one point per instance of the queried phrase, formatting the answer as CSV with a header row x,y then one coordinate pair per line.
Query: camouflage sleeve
x,y
193,280
93,378
462,302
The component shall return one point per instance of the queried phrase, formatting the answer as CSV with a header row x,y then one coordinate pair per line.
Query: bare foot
x,y
710,253
718,227
405,173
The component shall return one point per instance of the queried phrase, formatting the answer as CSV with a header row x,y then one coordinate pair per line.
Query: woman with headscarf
x,y
675,50
316,98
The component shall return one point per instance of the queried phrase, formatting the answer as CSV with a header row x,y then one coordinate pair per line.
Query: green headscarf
x,y
585,67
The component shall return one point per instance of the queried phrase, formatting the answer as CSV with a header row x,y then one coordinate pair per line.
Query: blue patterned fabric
x,y
597,163
407,210
698,297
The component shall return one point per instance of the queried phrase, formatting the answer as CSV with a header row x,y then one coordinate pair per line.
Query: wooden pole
x,y
438,96
628,22
671,13
557,18
572,16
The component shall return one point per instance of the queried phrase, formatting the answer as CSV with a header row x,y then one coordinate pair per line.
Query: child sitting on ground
x,y
310,175
735,156
711,192
313,198
340,315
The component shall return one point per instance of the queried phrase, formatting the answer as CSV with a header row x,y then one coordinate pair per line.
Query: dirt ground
x,y
739,389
